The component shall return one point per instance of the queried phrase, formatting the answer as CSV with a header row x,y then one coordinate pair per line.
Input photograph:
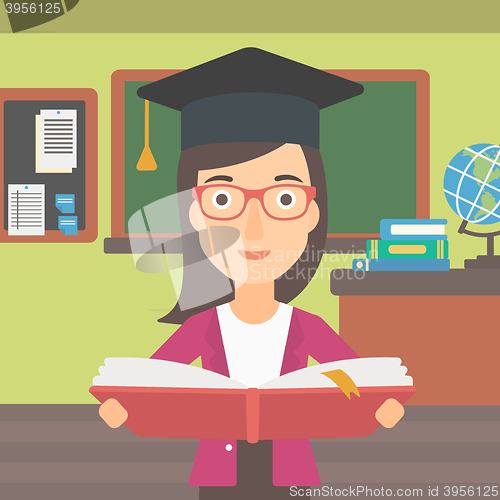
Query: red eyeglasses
x,y
280,202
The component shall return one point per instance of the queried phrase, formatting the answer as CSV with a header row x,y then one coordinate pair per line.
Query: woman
x,y
274,194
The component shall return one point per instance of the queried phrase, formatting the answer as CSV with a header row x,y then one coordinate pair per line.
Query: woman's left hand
x,y
390,413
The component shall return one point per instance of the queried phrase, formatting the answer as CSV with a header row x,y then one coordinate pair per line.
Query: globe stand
x,y
488,261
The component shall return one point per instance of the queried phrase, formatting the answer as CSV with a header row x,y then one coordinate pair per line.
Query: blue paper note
x,y
68,224
65,203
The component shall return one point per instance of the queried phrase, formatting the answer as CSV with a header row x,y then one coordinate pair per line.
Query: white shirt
x,y
254,353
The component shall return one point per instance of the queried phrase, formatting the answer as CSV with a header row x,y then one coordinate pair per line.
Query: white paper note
x,y
59,134
38,152
26,209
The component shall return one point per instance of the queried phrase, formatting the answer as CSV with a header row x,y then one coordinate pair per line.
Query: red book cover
x,y
251,414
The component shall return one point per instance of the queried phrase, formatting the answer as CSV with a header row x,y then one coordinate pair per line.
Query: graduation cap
x,y
250,96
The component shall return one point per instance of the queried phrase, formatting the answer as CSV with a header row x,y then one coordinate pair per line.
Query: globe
x,y
472,184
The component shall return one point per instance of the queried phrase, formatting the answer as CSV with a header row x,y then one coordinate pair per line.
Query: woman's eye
x,y
221,199
286,199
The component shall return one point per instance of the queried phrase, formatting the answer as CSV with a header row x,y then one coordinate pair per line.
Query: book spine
x,y
413,229
401,264
417,249
253,414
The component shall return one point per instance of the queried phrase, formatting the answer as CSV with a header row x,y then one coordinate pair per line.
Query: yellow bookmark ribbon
x,y
343,381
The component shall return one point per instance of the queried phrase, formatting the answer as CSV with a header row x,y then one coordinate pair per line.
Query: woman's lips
x,y
254,255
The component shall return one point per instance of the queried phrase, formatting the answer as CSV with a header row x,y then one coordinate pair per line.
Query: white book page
x,y
364,372
26,206
58,138
144,372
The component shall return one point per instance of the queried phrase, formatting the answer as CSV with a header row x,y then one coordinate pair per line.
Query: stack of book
x,y
407,245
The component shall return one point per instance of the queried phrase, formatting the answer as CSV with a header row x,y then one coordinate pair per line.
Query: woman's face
x,y
268,246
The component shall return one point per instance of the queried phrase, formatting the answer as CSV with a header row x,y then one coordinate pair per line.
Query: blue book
x,y
401,264
413,229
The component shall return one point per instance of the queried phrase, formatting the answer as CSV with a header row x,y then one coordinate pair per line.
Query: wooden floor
x,y
67,452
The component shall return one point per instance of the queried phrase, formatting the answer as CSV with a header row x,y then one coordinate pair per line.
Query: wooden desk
x,y
445,326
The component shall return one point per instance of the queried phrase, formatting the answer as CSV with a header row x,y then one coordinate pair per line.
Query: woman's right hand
x,y
113,413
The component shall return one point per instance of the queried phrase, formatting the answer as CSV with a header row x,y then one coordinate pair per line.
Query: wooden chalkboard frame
x,y
118,243
89,234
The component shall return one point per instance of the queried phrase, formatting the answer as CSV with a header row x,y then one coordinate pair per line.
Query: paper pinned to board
x,y
38,153
26,209
65,203
68,224
58,138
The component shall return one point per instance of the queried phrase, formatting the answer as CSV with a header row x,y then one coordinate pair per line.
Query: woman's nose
x,y
253,228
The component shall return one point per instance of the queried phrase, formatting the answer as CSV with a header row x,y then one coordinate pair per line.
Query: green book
x,y
407,249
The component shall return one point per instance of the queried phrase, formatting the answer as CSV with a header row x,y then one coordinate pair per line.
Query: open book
x,y
174,400
140,372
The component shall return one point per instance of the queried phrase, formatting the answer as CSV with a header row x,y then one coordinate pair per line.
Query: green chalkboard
x,y
368,146
145,187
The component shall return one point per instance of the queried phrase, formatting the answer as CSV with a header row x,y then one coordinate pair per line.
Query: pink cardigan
x,y
293,460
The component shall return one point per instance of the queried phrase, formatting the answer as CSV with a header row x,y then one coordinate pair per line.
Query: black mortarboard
x,y
250,96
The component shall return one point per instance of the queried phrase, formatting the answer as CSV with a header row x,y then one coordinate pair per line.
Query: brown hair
x,y
286,287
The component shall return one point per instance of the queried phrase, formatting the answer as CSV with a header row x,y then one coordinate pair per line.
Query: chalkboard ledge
x,y
333,245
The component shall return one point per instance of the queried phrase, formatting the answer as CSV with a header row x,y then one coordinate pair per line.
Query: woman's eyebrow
x,y
220,178
287,177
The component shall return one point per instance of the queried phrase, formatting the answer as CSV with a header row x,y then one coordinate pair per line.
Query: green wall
x,y
65,307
